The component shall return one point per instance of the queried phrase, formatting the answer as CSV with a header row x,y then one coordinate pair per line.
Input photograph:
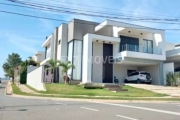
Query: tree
x,y
13,61
54,64
31,61
66,66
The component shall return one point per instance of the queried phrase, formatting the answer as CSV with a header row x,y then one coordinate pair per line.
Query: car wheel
x,y
126,81
138,81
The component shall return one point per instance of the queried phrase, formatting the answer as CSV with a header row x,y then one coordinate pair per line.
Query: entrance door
x,y
107,63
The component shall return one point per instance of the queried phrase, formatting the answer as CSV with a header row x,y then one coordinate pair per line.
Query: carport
x,y
123,68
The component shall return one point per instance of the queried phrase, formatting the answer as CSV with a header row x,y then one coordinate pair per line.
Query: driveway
x,y
172,91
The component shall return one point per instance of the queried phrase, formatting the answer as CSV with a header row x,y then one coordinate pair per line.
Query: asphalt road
x,y
12,108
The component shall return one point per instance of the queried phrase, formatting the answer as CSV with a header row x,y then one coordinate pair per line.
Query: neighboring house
x,y
39,56
102,51
172,63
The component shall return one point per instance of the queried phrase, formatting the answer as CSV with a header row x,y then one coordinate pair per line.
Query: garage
x,y
121,70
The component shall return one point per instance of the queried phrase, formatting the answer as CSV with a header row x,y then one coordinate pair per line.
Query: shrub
x,y
92,86
23,73
23,76
172,79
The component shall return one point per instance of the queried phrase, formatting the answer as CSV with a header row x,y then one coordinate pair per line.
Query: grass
x,y
17,91
61,89
32,88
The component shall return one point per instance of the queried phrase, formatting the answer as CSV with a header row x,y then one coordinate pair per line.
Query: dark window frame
x,y
73,56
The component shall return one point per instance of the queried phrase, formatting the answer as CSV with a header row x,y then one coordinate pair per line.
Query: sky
x,y
25,35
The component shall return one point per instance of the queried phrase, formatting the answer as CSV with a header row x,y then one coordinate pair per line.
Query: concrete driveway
x,y
172,91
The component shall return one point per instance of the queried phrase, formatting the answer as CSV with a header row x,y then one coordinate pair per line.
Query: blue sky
x,y
25,35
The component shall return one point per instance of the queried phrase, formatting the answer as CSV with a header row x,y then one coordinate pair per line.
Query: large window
x,y
129,44
77,59
75,56
70,55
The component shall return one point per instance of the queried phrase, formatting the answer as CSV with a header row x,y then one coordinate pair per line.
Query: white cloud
x,y
24,44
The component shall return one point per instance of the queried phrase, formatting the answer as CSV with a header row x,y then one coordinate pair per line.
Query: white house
x,y
101,51
39,56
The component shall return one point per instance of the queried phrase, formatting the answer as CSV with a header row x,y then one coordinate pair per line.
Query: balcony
x,y
139,52
142,49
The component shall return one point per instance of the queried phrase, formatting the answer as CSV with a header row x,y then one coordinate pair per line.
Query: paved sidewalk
x,y
172,91
25,89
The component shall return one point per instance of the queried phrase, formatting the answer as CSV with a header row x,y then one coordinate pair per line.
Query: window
x,y
129,44
77,59
51,71
136,73
75,56
70,54
47,72
148,46
145,73
130,71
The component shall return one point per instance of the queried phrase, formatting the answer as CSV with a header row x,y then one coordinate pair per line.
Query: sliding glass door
x,y
148,46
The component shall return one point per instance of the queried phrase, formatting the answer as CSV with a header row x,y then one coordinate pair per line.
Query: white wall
x,y
169,46
97,62
120,71
62,47
154,71
35,79
31,68
87,56
168,67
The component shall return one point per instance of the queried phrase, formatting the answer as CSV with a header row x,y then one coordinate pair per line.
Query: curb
x,y
92,100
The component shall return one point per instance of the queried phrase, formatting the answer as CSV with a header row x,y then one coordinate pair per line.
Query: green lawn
x,y
62,89
17,91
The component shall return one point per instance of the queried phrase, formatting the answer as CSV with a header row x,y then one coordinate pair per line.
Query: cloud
x,y
46,24
22,43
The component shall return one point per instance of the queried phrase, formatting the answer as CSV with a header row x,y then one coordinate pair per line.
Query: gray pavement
x,y
171,91
12,108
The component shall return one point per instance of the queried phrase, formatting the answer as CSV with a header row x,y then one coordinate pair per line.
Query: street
x,y
12,108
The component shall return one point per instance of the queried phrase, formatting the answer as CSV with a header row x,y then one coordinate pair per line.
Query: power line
x,y
95,15
34,16
95,7
64,8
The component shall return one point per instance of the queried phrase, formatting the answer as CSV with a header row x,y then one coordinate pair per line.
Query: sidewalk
x,y
171,91
25,89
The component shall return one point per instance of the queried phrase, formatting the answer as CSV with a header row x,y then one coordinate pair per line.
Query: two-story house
x,y
101,51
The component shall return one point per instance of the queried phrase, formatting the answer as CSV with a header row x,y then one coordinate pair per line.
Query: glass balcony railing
x,y
143,49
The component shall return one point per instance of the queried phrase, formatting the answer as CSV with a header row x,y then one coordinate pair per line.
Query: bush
x,y
23,76
23,73
92,86
172,79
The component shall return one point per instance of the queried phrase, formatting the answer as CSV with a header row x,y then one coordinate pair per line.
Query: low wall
x,y
35,79
31,68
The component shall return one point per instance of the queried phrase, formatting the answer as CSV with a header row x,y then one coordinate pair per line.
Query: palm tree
x,y
53,65
66,66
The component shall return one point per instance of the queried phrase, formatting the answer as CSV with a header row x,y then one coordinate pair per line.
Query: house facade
x,y
39,56
101,51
